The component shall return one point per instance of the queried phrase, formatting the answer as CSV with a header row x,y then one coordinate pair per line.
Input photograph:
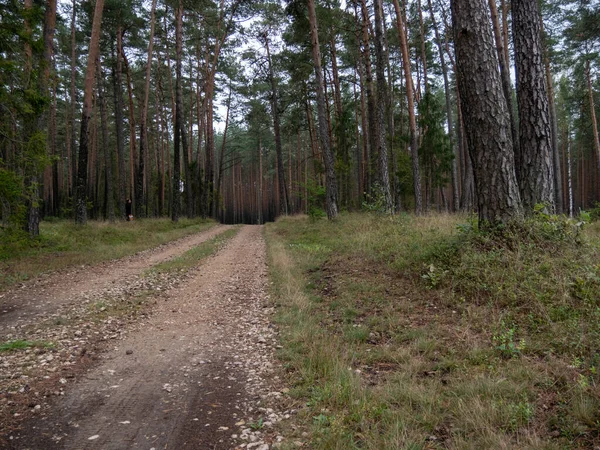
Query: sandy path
x,y
187,376
28,303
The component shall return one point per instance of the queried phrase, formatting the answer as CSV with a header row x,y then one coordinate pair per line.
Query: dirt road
x,y
27,303
196,373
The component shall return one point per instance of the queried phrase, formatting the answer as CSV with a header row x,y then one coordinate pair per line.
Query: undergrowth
x,y
425,332
63,243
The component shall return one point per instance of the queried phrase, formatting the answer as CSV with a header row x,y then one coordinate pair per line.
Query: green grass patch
x,y
21,345
423,332
63,244
196,254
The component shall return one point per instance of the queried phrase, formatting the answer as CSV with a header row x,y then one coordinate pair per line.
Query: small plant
x,y
520,414
505,343
258,425
434,276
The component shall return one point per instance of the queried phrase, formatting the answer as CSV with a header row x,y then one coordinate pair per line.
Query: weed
x,y
504,341
258,425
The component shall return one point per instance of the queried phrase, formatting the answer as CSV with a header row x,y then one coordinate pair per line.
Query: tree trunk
x,y
487,123
140,198
372,118
82,180
450,121
330,178
537,179
73,100
118,102
506,85
178,114
557,171
381,142
588,76
284,201
108,163
412,120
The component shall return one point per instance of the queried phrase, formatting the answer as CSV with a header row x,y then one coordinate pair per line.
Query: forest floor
x,y
170,348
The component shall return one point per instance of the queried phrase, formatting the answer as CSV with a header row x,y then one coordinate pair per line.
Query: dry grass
x,y
403,332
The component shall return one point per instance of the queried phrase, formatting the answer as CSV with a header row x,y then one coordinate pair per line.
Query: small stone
x,y
129,352
94,437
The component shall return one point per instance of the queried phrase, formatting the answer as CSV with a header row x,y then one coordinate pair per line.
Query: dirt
x,y
195,371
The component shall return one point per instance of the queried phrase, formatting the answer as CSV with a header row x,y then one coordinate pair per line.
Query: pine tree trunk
x,y
588,76
73,100
537,178
557,170
371,100
382,154
108,163
487,123
82,180
175,208
118,102
506,85
412,120
284,202
450,121
330,178
140,198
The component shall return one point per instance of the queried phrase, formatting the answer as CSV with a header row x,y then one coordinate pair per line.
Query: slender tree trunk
x,y
73,100
506,85
412,120
284,202
557,171
450,121
82,180
118,102
331,181
382,154
140,200
222,159
178,114
371,100
588,76
108,163
487,122
132,140
537,178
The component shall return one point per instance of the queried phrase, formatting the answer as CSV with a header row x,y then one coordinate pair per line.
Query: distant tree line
x,y
245,110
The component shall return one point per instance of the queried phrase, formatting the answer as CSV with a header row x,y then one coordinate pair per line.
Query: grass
x,y
21,345
422,333
63,244
192,256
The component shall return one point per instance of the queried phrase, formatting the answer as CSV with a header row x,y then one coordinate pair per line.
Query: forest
x,y
247,110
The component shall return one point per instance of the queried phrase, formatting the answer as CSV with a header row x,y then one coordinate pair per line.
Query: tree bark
x,y
284,201
557,170
139,185
412,120
371,100
487,123
588,76
118,102
330,178
450,121
535,135
381,142
110,203
506,85
178,115
82,180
